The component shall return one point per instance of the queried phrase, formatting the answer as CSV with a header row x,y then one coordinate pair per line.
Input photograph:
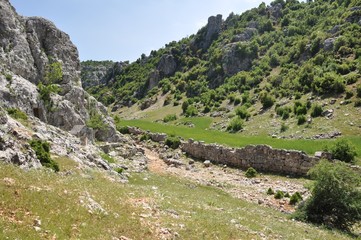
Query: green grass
x,y
193,211
234,140
108,158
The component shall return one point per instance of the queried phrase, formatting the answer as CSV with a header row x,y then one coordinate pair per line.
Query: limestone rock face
x,y
94,73
232,61
27,46
167,65
208,34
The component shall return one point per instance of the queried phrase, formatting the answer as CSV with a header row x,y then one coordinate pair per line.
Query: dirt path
x,y
232,181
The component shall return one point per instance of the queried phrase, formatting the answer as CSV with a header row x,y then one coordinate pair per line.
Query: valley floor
x,y
189,201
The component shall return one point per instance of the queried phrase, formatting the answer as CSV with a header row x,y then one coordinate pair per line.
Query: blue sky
x,y
122,30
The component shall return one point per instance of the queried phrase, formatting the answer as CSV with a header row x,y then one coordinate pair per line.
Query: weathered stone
x,y
261,157
167,65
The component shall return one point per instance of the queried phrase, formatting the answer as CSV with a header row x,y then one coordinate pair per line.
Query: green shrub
x,y
9,77
42,150
284,127
279,194
299,108
335,196
243,113
251,172
287,195
17,113
235,125
123,129
96,122
295,198
267,100
45,92
170,118
173,141
191,111
301,119
270,191
145,137
119,170
283,112
316,111
349,94
343,151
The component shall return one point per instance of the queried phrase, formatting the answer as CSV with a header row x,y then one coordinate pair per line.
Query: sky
x,y
121,30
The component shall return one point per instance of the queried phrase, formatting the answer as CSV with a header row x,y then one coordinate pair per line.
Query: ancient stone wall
x,y
260,157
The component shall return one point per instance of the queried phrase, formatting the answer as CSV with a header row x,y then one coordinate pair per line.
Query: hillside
x,y
284,66
71,170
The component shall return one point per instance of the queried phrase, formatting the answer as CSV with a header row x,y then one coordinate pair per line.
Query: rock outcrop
x,y
167,65
94,73
209,33
233,61
28,47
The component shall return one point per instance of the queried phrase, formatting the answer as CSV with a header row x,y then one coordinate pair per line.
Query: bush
x,y
316,111
96,122
284,127
283,112
295,198
17,113
42,151
173,142
119,170
299,108
270,191
123,129
279,195
144,137
344,151
349,94
251,173
235,125
191,111
169,118
335,196
243,113
45,92
9,77
267,100
301,119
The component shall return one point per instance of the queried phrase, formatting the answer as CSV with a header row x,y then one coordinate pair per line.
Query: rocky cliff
x,y
29,48
40,76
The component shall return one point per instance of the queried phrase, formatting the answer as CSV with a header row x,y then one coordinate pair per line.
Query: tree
x,y
343,151
336,196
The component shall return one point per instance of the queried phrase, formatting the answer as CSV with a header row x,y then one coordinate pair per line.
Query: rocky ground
x,y
163,160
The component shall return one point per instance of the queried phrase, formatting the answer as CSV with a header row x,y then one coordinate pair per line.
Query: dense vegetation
x,y
336,196
266,55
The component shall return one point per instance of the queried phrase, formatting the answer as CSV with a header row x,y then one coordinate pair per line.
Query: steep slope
x,y
41,74
279,58
42,100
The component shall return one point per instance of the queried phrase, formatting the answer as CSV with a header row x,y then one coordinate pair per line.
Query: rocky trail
x,y
232,181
